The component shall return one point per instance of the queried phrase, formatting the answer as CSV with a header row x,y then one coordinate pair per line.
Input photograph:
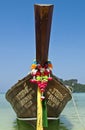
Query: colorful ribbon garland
x,y
39,111
41,76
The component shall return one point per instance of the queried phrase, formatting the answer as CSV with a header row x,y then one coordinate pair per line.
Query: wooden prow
x,y
43,18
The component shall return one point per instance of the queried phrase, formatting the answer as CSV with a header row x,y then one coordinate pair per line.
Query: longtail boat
x,y
23,95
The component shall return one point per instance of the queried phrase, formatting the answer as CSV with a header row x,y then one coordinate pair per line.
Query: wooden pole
x,y
43,18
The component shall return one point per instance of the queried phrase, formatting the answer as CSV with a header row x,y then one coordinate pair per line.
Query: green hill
x,y
77,87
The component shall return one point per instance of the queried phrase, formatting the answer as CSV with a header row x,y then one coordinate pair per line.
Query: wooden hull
x,y
23,97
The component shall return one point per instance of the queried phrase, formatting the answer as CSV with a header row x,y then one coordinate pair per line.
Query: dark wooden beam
x,y
43,19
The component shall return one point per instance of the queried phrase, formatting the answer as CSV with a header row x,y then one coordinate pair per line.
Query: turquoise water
x,y
70,119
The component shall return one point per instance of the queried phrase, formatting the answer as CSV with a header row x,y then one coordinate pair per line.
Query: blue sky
x,y
17,39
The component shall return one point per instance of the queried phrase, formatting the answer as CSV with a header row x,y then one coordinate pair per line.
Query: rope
x,y
77,113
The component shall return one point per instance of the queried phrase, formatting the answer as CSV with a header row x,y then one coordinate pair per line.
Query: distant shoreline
x,y
77,87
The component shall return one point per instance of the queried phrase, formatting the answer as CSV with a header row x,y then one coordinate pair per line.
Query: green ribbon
x,y
44,110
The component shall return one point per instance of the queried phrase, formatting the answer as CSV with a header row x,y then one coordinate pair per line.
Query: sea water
x,y
72,117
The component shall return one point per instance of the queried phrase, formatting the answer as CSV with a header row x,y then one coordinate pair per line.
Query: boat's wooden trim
x,y
29,119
